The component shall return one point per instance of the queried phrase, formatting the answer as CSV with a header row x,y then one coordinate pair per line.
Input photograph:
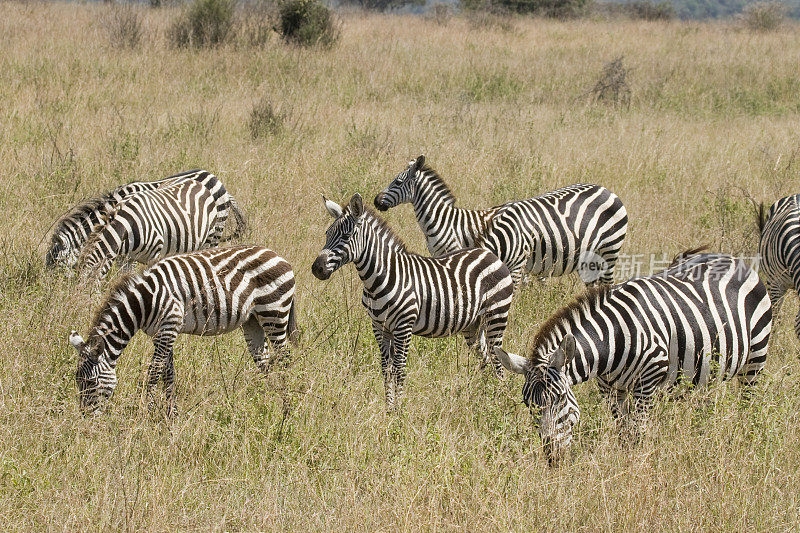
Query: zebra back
x,y
74,228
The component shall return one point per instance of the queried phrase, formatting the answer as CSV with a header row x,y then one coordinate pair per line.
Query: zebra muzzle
x,y
319,268
380,202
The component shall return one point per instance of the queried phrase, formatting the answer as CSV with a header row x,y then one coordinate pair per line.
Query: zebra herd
x,y
707,316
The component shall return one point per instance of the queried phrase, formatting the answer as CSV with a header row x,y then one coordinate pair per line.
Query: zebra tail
x,y
761,216
241,222
293,332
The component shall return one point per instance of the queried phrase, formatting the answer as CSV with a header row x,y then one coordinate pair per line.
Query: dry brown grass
x,y
500,115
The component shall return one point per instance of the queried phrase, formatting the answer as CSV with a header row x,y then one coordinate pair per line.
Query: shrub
x,y
612,86
381,5
764,16
255,21
306,23
441,13
639,10
548,8
124,27
203,23
264,120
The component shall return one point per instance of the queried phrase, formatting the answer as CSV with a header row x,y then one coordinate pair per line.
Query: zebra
x,y
466,291
579,227
182,217
73,229
779,250
707,315
208,292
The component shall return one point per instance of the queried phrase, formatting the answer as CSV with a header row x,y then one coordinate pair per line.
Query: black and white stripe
x,y
577,228
779,250
467,291
201,293
73,229
705,317
154,224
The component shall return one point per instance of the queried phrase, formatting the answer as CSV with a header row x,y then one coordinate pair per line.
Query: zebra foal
x,y
466,292
73,229
209,292
580,227
706,316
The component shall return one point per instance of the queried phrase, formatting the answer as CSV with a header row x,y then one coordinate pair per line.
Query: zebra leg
x,y
402,338
159,366
168,378
776,296
384,340
255,339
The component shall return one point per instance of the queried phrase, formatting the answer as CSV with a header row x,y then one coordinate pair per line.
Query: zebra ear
x,y
512,362
420,162
333,208
564,354
76,340
356,205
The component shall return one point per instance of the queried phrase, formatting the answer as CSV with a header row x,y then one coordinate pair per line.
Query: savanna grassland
x,y
502,113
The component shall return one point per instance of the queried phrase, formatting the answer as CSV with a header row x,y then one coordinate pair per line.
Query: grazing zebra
x,y
779,250
580,227
466,292
706,316
209,292
73,229
154,224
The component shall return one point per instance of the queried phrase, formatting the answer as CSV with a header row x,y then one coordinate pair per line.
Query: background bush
x,y
764,16
203,23
124,27
638,10
306,23
548,8
381,5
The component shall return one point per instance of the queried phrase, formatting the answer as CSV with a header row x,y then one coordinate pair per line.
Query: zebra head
x,y
340,238
58,252
548,395
96,377
401,189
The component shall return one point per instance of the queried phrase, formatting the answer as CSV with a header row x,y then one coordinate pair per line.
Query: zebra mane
x,y
592,296
383,229
116,294
94,238
682,256
439,182
79,213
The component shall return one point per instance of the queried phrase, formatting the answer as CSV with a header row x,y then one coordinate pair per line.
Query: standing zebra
x,y
201,293
154,224
467,292
779,250
708,315
73,229
580,227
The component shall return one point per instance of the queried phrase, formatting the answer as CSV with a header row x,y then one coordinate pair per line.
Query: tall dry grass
x,y
502,114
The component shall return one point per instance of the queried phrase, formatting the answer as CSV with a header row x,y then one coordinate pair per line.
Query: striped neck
x,y
380,249
595,337
446,227
127,308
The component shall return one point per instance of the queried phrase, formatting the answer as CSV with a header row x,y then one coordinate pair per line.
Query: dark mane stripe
x,y
384,229
116,294
592,296
688,253
439,183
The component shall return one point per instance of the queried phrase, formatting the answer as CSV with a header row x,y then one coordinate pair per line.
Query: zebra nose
x,y
380,202
318,268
